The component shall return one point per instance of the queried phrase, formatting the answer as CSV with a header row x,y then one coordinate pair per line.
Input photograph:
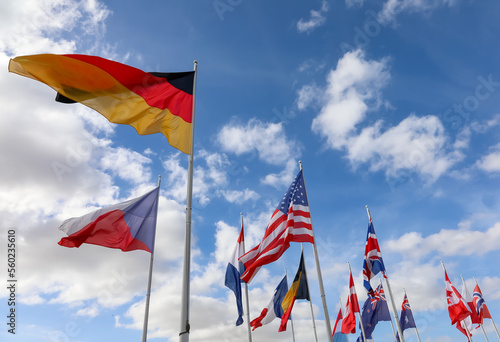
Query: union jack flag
x,y
290,222
406,304
373,263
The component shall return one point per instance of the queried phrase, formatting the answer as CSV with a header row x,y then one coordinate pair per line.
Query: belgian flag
x,y
150,102
298,290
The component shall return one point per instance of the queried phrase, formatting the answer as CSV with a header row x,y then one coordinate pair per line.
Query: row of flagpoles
x,y
463,310
165,103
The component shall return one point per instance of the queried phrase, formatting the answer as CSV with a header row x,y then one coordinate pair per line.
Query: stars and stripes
x,y
290,222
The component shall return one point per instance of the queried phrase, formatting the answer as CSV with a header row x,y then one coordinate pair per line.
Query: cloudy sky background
x,y
391,104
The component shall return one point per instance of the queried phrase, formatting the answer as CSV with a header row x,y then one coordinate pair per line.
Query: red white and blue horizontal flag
x,y
373,263
233,273
337,333
127,226
290,222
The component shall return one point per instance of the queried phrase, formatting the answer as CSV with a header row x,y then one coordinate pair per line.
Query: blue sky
x,y
389,103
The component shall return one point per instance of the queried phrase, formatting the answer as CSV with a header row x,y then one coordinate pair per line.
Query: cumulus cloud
x,y
416,144
491,162
317,18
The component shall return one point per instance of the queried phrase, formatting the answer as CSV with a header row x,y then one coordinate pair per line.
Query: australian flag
x,y
406,320
375,309
373,262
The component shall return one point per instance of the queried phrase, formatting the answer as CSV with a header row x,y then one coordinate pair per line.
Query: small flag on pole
x,y
127,226
148,101
233,272
479,305
406,320
338,336
457,308
298,290
273,309
352,306
375,309
290,222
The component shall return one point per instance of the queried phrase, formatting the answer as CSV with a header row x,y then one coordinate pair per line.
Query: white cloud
x,y
490,162
448,242
240,196
392,8
316,19
307,95
416,144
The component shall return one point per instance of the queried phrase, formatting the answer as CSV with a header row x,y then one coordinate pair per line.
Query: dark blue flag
x,y
375,309
406,320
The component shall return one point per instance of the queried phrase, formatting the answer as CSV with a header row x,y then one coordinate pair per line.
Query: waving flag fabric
x,y
233,272
375,309
373,263
352,306
274,308
337,333
298,290
290,222
406,320
149,102
457,308
127,226
479,305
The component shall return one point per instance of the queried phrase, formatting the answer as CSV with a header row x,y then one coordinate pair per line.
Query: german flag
x,y
148,101
298,290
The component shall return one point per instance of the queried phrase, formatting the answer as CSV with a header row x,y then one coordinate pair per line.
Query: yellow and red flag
x,y
148,101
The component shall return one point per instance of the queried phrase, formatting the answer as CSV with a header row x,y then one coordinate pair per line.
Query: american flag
x,y
290,222
373,262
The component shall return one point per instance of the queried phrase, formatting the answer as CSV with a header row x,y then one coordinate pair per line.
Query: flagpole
x,y
320,278
468,296
246,292
340,301
494,325
416,330
394,310
359,314
150,276
291,319
466,330
184,327
392,324
310,302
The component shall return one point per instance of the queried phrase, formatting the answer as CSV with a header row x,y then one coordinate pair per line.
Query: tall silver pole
x,y
468,296
320,278
494,325
340,301
148,291
394,310
291,319
392,324
246,292
184,328
416,330
310,301
359,314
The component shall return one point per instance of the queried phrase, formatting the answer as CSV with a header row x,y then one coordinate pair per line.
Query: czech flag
x,y
127,226
148,101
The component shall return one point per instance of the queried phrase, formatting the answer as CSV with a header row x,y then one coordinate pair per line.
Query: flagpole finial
x,y
300,164
159,180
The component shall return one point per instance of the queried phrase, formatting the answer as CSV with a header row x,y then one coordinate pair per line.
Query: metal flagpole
x,y
291,319
310,302
184,328
320,278
359,314
148,291
246,293
340,301
466,329
394,310
494,326
416,330
392,324
468,295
